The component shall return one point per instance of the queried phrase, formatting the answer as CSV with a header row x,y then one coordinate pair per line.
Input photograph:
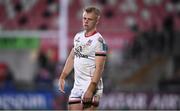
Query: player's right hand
x,y
61,85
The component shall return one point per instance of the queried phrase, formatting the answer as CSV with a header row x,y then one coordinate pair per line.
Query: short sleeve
x,y
101,47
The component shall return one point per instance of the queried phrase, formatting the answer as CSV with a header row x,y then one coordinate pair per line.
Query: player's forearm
x,y
95,80
68,66
100,62
97,74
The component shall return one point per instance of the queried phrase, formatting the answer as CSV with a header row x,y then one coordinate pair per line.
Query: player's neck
x,y
90,33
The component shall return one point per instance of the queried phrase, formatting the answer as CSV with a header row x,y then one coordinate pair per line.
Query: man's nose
x,y
86,21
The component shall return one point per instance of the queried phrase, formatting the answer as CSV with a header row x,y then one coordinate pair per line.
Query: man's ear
x,y
97,21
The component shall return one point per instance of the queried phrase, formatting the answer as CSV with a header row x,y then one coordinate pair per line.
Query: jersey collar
x,y
90,34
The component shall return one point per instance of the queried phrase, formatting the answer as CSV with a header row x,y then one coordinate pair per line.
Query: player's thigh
x,y
77,106
74,102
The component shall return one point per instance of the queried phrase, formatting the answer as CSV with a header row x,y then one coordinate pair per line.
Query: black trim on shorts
x,y
74,102
100,54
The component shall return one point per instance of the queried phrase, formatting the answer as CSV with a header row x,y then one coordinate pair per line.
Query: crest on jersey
x,y
89,43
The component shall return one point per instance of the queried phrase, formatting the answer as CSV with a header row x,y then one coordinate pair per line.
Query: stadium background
x,y
143,65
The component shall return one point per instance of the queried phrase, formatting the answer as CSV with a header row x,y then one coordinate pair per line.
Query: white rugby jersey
x,y
85,50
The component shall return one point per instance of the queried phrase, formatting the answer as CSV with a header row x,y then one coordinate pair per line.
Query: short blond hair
x,y
93,9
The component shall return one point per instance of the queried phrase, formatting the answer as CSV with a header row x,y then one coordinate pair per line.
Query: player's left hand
x,y
88,96
87,99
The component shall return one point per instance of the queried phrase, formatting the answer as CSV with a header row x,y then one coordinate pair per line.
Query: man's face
x,y
89,21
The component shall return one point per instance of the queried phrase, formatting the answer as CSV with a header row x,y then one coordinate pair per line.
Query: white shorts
x,y
76,96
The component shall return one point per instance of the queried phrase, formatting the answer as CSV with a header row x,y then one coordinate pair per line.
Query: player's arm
x,y
66,70
99,62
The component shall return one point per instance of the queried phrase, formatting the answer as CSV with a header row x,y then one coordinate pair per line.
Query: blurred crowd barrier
x,y
140,101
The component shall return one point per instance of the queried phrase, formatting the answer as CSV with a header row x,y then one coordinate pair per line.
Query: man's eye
x,y
90,19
